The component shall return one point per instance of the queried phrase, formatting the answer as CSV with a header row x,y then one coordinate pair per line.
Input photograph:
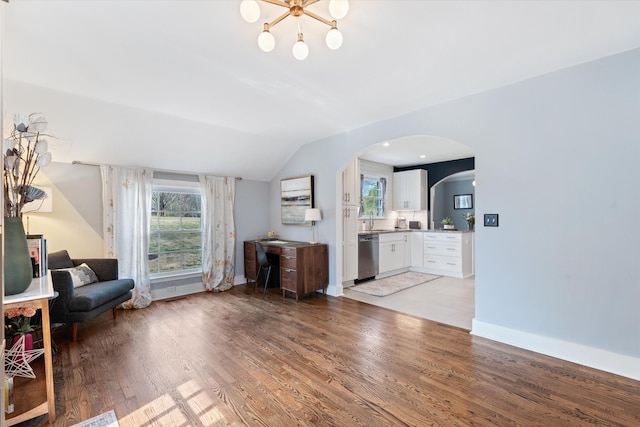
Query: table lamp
x,y
313,215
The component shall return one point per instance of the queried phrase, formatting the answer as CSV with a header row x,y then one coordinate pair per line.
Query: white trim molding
x,y
592,357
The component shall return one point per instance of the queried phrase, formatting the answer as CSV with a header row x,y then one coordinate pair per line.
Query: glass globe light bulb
x,y
338,8
300,50
249,10
266,41
334,39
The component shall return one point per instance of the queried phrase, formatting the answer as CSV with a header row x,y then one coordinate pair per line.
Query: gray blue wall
x,y
557,157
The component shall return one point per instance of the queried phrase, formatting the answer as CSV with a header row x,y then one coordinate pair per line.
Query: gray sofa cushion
x,y
88,297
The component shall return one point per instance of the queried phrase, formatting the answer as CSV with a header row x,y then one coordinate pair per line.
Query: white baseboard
x,y
177,291
592,357
335,290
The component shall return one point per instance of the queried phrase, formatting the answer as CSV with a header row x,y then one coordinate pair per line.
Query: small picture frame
x,y
463,201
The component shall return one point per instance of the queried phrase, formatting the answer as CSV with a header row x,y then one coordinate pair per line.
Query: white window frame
x,y
176,186
380,197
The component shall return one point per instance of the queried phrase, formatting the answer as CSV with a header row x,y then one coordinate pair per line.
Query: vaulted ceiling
x,y
182,85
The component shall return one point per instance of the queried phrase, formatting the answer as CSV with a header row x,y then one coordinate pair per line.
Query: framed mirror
x,y
463,201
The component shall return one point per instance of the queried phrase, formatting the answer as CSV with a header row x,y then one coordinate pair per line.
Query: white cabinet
x,y
351,184
410,190
350,203
393,252
448,254
349,243
417,248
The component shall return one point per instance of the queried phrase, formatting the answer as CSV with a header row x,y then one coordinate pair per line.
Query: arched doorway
x,y
386,157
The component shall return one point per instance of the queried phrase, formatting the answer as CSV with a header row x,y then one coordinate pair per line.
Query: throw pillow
x,y
81,275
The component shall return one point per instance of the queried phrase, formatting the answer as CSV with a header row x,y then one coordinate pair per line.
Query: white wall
x,y
556,158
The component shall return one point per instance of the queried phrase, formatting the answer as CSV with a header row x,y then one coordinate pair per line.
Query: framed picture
x,y
296,196
463,201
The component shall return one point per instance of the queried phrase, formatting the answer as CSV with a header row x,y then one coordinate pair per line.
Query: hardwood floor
x,y
235,359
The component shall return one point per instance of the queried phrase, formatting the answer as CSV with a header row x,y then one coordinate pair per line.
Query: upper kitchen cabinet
x,y
351,185
410,190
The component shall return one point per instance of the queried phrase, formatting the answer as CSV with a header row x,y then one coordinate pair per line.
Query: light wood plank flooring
x,y
233,359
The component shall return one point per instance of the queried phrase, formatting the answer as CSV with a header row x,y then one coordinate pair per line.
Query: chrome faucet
x,y
371,222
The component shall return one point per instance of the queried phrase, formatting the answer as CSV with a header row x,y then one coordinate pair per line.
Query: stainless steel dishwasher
x,y
367,256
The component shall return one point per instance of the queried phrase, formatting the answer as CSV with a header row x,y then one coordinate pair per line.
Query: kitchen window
x,y
373,190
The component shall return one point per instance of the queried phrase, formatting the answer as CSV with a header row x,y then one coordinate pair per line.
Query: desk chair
x,y
264,263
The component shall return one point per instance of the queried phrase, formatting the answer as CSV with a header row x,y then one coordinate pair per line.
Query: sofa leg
x,y
74,331
114,312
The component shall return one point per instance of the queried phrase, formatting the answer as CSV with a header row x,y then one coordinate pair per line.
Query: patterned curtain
x,y
218,232
126,200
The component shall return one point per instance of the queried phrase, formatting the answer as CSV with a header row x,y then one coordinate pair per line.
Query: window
x,y
175,243
373,190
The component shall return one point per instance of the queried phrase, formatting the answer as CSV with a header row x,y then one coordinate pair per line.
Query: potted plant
x,y
20,324
447,223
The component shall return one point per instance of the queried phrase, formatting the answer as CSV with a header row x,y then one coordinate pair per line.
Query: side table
x,y
37,296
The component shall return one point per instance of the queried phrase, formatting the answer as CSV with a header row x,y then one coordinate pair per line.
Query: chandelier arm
x,y
277,3
319,18
309,2
278,19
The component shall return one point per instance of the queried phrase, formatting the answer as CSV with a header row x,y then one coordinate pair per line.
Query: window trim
x,y
381,197
184,187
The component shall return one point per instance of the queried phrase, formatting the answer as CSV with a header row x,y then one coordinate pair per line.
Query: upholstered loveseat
x,y
82,302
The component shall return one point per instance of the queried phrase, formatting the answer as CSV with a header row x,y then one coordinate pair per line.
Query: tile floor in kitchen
x,y
447,300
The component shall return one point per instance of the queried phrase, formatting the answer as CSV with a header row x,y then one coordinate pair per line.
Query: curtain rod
x,y
78,162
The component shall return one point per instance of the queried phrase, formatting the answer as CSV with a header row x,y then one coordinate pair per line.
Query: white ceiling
x,y
199,61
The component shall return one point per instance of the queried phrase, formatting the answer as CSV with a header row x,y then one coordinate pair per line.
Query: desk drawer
x,y
288,262
289,252
289,279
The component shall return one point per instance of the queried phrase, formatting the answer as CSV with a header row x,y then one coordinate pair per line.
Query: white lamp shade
x,y
249,10
266,41
312,214
338,8
300,50
334,39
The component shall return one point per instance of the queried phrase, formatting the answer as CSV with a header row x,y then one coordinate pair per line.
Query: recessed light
x,y
423,156
386,144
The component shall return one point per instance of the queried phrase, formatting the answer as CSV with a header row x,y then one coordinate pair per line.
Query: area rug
x,y
392,284
108,419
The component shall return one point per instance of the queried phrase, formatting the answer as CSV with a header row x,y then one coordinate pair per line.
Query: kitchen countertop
x,y
400,230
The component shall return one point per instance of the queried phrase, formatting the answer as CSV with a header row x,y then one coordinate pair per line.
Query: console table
x,y
304,267
36,404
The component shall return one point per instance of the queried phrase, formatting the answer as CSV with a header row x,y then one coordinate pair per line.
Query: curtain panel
x,y
218,232
126,200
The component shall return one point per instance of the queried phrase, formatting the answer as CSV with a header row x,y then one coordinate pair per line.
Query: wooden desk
x,y
37,296
304,267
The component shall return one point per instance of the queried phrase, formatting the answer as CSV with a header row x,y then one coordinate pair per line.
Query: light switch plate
x,y
490,220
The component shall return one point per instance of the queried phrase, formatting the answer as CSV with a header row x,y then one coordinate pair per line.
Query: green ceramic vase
x,y
18,271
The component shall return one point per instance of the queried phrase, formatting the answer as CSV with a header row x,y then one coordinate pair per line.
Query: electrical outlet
x,y
171,289
490,220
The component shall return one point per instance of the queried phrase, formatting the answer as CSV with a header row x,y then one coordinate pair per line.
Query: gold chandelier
x,y
250,11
